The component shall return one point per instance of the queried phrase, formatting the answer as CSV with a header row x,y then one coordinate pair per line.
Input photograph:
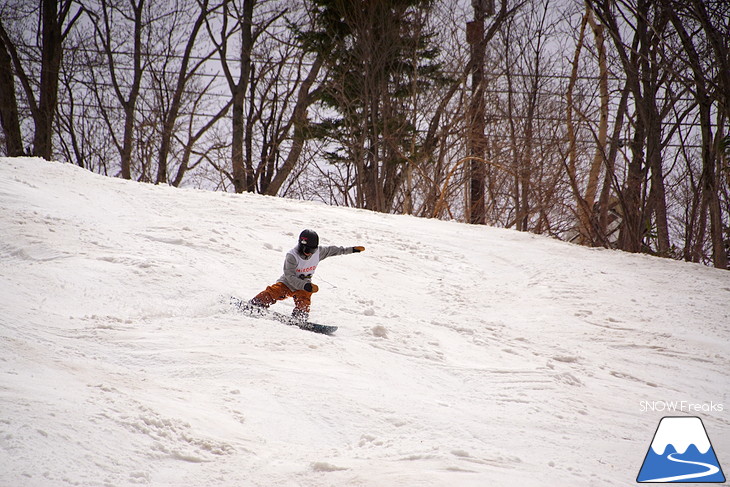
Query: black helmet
x,y
308,241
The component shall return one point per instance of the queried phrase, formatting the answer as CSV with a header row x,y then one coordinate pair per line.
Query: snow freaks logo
x,y
680,452
681,407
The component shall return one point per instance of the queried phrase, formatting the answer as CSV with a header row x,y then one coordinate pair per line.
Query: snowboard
x,y
245,308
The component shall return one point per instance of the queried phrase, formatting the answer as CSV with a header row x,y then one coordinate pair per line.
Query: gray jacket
x,y
299,269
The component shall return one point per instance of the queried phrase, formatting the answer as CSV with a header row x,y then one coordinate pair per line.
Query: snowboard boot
x,y
299,317
253,307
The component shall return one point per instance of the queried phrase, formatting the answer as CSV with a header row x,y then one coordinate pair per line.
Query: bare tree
x,y
173,74
56,19
242,16
115,22
642,78
8,102
592,214
269,97
701,81
528,135
444,142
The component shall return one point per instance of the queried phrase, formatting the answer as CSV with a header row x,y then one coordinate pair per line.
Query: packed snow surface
x,y
465,355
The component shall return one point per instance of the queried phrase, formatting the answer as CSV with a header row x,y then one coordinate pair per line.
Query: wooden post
x,y
476,144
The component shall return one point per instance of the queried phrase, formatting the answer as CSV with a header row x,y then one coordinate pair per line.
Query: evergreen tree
x,y
380,59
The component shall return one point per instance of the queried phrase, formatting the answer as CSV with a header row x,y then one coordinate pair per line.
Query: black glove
x,y
311,288
358,249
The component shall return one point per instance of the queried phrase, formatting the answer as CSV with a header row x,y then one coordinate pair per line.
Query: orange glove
x,y
358,249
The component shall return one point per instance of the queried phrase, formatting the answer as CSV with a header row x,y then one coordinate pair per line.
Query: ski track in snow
x,y
465,355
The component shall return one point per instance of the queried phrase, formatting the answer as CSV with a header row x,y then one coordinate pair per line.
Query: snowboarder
x,y
299,266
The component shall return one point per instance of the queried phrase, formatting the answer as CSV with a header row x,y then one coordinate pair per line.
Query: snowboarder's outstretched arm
x,y
333,250
297,276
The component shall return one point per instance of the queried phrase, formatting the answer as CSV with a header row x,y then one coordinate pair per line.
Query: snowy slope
x,y
466,356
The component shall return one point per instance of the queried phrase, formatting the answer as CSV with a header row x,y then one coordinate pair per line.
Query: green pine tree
x,y
380,59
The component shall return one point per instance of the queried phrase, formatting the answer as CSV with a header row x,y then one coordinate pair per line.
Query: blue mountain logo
x,y
681,452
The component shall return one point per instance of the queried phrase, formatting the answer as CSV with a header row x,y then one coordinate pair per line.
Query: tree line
x,y
602,122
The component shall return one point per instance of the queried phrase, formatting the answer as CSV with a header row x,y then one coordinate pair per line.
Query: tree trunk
x,y
582,209
708,182
476,210
599,226
50,66
9,104
130,104
243,177
632,232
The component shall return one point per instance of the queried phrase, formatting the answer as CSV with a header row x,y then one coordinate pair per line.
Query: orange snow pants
x,y
280,291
